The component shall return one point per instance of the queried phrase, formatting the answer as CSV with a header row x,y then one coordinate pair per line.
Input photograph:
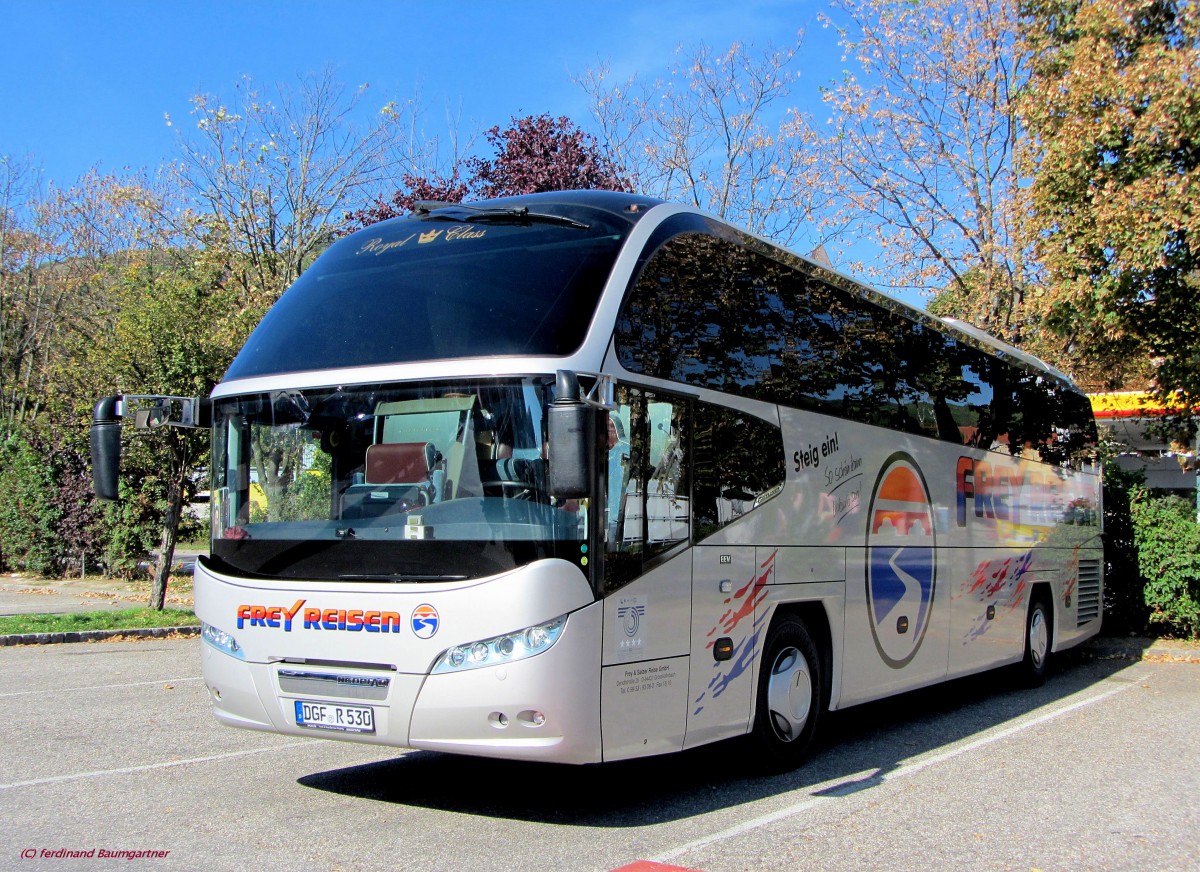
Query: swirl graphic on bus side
x,y
901,560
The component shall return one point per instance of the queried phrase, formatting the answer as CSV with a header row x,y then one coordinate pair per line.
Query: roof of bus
x,y
618,204
630,208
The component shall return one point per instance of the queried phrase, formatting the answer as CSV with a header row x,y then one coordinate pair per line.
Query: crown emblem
x,y
429,237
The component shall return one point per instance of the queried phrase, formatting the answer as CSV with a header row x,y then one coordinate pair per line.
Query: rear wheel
x,y
1038,626
791,695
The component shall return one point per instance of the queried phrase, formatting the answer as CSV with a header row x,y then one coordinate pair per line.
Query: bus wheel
x,y
1037,643
791,695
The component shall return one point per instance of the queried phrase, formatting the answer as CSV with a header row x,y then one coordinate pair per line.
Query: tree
x,y
28,308
272,177
164,341
535,153
540,153
64,250
59,248
1115,111
714,133
920,151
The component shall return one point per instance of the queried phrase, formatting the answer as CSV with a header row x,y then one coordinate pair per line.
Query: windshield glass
x,y
418,482
452,284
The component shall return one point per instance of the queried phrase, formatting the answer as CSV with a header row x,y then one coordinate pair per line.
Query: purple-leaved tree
x,y
535,153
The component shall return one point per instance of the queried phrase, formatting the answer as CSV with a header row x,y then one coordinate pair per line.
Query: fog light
x,y
531,718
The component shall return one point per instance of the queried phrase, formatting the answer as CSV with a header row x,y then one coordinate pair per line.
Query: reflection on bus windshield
x,y
402,464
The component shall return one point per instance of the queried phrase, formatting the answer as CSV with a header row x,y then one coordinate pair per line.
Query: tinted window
x,y
648,493
709,312
709,309
738,462
425,289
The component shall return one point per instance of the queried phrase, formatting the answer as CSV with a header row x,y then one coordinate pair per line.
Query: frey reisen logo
x,y
424,621
901,565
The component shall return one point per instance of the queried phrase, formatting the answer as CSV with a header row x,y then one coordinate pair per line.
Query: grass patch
x,y
124,619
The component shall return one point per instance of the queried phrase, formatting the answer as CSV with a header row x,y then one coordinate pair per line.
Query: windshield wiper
x,y
399,577
522,215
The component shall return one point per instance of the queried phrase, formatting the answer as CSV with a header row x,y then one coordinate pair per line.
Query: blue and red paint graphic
x,y
999,583
739,613
901,560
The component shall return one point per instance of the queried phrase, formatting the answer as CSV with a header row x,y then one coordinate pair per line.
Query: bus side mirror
x,y
147,411
571,425
106,447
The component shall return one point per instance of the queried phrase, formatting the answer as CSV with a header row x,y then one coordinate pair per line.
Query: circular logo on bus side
x,y
424,621
901,561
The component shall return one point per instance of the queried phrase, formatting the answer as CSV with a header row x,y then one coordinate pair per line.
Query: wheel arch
x,y
1043,591
816,618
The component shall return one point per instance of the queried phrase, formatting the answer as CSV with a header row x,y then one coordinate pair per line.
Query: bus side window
x,y
737,464
647,511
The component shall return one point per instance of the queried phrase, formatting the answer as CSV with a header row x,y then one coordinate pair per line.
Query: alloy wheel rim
x,y
789,694
1039,638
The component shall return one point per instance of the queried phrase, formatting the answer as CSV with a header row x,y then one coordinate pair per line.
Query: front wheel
x,y
1037,643
791,695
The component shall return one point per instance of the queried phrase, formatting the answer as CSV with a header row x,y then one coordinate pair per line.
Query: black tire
x,y
791,696
1039,631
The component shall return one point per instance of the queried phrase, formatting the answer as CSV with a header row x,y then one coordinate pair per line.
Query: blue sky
x,y
87,83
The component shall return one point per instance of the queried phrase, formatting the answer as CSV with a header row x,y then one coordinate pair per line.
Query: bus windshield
x,y
415,482
447,285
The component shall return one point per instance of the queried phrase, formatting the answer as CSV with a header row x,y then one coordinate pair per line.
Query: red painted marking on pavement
x,y
651,866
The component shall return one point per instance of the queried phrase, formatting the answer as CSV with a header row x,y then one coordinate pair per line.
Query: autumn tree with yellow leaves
x,y
1113,108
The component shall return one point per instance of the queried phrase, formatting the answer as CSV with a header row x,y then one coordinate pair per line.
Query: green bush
x,y
28,514
134,524
1168,544
1125,611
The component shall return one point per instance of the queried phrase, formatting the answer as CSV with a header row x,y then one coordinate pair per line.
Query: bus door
x,y
647,576
727,585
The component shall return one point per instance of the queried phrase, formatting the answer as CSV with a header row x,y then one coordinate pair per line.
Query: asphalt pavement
x,y
111,751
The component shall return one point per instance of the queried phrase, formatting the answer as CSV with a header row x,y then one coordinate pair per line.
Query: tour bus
x,y
587,476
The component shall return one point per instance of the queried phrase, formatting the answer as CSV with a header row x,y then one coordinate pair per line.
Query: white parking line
x,y
103,686
829,793
57,779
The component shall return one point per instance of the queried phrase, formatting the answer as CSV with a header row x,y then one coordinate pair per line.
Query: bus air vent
x,y
1088,599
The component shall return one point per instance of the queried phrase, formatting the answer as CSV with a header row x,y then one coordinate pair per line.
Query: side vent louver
x,y
1088,596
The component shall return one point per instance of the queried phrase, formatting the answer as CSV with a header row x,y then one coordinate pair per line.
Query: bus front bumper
x,y
546,707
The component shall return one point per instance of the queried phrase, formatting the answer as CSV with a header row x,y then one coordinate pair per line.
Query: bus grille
x,y
1088,604
325,684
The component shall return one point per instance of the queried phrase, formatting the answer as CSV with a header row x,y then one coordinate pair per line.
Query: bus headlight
x,y
500,649
221,640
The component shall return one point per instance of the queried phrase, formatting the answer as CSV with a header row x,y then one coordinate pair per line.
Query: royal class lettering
x,y
351,620
1003,492
377,246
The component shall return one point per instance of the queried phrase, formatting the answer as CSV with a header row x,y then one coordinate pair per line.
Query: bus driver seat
x,y
400,463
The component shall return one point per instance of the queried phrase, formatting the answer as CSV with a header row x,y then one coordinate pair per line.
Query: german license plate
x,y
332,716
